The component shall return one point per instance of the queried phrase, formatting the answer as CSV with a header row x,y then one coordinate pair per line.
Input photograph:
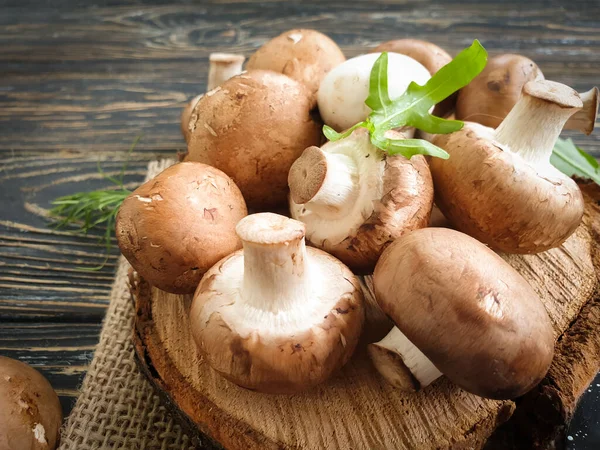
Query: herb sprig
x,y
91,210
412,108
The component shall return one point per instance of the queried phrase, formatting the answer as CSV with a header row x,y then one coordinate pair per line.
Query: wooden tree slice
x,y
356,409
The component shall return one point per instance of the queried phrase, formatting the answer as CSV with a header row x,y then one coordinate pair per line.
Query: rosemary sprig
x,y
90,210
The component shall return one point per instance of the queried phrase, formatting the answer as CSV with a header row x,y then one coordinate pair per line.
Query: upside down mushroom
x,y
460,310
176,226
355,200
30,412
277,317
253,127
499,186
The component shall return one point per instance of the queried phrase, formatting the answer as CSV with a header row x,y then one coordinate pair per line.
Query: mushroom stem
x,y
328,182
401,363
223,66
274,257
534,124
584,120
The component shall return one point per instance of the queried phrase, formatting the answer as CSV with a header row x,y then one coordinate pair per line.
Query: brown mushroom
x,y
303,55
495,91
499,186
355,200
253,127
584,120
429,55
30,412
277,317
462,311
174,227
222,66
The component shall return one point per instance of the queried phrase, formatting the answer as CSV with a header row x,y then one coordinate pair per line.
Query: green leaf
x,y
333,135
572,160
408,147
412,107
378,84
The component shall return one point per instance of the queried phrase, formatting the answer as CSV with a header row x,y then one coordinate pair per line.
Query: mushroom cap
x,y
497,197
467,310
495,91
398,194
186,115
303,55
285,351
31,414
432,57
345,88
173,228
252,128
427,53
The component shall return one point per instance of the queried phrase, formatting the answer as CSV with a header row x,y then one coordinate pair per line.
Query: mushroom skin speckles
x,y
361,200
499,186
30,412
176,226
277,317
468,311
303,55
253,127
494,92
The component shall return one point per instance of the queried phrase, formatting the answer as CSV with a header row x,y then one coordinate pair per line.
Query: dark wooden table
x,y
80,80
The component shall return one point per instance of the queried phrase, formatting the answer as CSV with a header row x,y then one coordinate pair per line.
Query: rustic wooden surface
x,y
80,80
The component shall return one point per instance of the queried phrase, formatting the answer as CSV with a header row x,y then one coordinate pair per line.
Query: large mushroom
x,y
432,57
277,317
253,127
355,200
499,186
30,412
222,66
462,311
344,89
303,55
176,226
495,91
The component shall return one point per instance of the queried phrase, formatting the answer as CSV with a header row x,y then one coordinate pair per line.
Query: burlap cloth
x,y
117,408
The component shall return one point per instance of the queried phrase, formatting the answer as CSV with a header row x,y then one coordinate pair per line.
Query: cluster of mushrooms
x,y
274,315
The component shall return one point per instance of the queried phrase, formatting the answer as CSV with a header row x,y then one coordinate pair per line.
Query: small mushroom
x,y
355,200
253,127
432,57
303,55
30,412
499,186
344,89
495,91
176,226
462,311
222,66
277,317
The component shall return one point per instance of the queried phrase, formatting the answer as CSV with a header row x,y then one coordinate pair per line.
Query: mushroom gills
x,y
401,363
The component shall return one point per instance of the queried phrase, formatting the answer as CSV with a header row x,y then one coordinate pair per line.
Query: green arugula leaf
x,y
333,135
412,108
572,160
379,98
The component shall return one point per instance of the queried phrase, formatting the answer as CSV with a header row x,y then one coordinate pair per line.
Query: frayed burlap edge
x,y
117,407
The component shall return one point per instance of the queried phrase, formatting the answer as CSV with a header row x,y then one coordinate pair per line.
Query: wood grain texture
x,y
356,408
